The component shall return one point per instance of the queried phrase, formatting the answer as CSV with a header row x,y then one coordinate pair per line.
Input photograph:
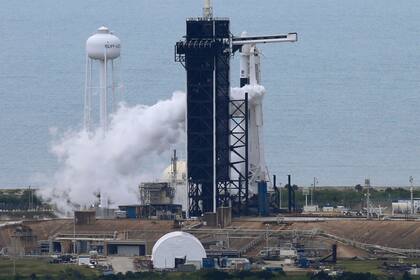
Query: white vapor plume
x,y
116,162
255,93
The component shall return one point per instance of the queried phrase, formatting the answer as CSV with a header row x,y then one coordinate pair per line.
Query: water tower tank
x,y
103,44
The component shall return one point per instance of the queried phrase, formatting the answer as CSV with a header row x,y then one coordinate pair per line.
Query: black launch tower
x,y
205,53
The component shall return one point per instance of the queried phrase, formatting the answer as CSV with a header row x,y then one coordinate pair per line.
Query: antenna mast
x,y
208,9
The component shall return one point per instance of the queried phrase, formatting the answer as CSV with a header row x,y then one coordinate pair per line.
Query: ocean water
x,y
342,104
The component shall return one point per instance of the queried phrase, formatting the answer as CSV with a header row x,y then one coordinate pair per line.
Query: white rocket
x,y
250,71
250,77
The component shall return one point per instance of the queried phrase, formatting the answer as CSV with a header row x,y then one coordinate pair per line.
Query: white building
x,y
404,206
177,245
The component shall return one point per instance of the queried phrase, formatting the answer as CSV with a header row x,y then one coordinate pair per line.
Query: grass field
x,y
28,266
373,267
41,268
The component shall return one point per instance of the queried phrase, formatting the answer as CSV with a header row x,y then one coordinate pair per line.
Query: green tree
x,y
322,275
48,277
216,274
357,276
406,276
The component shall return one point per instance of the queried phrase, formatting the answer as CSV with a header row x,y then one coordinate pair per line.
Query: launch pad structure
x,y
218,171
206,55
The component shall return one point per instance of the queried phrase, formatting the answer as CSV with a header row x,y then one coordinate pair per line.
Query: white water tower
x,y
102,50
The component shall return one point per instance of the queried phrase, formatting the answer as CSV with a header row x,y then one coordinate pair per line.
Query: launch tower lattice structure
x,y
206,53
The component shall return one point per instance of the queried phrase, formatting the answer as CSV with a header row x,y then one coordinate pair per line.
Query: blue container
x,y
208,263
303,263
131,212
262,198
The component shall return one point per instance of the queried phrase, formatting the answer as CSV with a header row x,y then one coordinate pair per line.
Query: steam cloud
x,y
254,92
116,162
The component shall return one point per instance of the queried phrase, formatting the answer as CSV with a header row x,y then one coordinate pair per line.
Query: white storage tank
x,y
310,208
177,245
103,45
401,207
327,209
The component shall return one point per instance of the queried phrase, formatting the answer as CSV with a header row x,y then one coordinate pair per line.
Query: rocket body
x,y
250,75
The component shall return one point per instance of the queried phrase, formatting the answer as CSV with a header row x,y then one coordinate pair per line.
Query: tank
x,y
401,207
103,44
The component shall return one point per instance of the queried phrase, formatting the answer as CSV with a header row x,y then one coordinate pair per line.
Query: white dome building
x,y
174,245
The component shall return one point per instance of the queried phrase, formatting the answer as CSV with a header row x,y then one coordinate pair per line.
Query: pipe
x,y
289,189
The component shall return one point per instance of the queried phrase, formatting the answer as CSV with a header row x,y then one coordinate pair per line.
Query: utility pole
x,y
29,199
266,237
306,192
313,190
411,179
14,256
291,202
74,234
367,186
280,189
